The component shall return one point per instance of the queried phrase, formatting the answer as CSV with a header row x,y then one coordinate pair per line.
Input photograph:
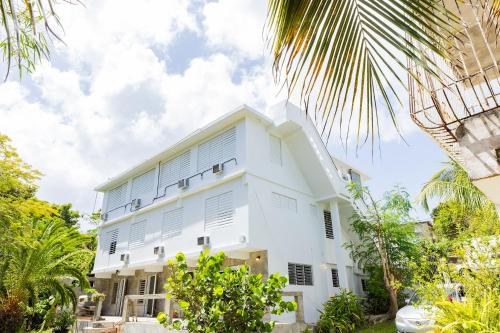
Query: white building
x,y
266,192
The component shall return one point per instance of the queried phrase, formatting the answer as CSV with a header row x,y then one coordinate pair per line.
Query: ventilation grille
x,y
219,211
275,144
217,150
282,201
137,234
111,239
117,197
335,277
142,290
174,170
299,274
328,224
172,223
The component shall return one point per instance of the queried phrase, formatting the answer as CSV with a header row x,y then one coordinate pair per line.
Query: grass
x,y
385,327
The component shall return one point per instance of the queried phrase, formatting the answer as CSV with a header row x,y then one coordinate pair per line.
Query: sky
x,y
130,80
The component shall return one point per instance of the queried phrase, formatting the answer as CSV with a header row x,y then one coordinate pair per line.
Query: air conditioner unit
x,y
159,250
136,203
183,184
204,240
217,168
104,216
124,257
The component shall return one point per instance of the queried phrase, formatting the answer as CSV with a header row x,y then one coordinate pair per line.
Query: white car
x,y
415,318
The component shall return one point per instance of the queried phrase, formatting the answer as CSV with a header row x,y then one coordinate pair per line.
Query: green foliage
x,y
11,315
68,215
341,313
218,299
377,299
63,320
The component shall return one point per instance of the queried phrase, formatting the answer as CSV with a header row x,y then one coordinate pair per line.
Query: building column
x,y
339,241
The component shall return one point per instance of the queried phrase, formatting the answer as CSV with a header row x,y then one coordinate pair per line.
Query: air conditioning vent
x,y
204,240
136,203
124,257
159,250
104,216
217,168
183,184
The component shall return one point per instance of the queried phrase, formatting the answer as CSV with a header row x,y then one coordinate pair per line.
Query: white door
x,y
151,289
122,289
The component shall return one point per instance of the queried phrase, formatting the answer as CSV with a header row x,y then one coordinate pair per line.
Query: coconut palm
x,y
452,183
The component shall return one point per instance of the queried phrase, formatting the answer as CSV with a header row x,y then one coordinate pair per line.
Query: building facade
x,y
265,191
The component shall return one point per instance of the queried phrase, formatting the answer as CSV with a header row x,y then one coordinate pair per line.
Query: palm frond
x,y
340,55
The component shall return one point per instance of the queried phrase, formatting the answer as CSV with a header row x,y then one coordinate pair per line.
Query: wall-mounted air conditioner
x,y
217,168
104,216
183,184
136,203
125,257
203,241
159,250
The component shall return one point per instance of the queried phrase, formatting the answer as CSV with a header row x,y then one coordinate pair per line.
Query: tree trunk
x,y
393,307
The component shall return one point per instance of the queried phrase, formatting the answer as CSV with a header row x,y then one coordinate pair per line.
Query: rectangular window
x,y
137,234
299,274
335,277
217,150
114,292
328,224
284,202
355,177
219,211
364,285
172,223
111,239
275,145
117,197
143,184
174,170
141,290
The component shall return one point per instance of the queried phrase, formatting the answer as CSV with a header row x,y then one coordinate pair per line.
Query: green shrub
x,y
11,315
377,298
64,319
342,313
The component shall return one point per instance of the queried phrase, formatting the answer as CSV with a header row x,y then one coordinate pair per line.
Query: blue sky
x,y
133,79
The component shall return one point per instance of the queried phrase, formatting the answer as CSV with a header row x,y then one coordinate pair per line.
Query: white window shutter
x,y
137,234
174,170
117,197
275,149
219,211
172,223
217,150
143,184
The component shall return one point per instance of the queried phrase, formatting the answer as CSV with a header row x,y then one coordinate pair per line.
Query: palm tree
x,y
346,57
452,183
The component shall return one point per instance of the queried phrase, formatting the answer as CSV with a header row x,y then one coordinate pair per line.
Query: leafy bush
x,y
11,315
341,313
214,299
63,320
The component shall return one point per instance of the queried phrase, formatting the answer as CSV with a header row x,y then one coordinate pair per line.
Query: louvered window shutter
x,y
142,290
143,185
117,197
217,150
137,234
172,223
219,211
328,224
299,274
174,170
275,144
111,239
335,277
114,293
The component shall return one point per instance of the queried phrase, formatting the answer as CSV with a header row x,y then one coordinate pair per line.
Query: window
x,y
141,290
114,292
219,211
172,223
137,234
111,239
282,201
328,224
217,150
335,277
355,177
143,184
117,197
275,150
364,285
299,274
174,170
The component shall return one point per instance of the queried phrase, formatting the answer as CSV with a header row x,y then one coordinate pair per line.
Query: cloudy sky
x,y
133,79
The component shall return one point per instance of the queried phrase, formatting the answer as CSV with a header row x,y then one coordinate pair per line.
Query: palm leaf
x,y
345,58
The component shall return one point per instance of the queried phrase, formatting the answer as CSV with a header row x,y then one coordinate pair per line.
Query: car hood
x,y
413,312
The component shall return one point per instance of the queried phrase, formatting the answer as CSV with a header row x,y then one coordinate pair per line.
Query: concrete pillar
x,y
98,309
339,240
